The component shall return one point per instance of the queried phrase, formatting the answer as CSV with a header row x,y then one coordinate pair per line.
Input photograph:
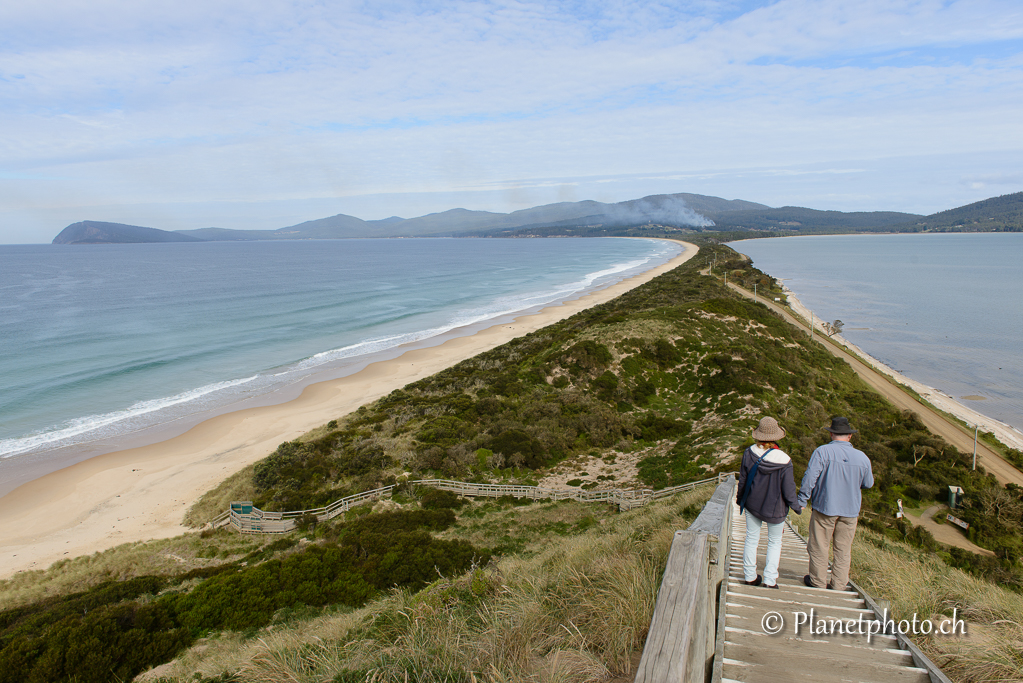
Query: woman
x,y
766,490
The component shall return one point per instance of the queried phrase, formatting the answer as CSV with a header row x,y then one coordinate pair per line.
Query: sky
x,y
263,114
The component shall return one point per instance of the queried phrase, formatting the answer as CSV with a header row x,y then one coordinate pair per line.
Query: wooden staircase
x,y
750,654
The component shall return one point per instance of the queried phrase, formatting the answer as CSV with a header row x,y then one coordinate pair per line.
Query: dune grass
x,y
917,583
569,608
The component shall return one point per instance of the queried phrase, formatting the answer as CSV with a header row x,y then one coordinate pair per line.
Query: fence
x,y
247,518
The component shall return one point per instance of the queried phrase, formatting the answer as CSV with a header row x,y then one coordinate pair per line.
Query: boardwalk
x,y
245,517
751,655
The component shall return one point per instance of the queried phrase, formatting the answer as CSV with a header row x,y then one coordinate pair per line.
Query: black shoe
x,y
829,587
807,582
755,582
767,586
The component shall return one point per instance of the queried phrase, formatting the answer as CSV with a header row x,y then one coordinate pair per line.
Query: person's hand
x,y
798,509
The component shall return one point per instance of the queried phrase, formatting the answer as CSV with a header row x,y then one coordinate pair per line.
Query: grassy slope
x,y
573,604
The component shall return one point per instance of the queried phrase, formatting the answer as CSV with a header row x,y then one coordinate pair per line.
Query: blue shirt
x,y
833,479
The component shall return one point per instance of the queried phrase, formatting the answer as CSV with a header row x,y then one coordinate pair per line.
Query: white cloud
x,y
175,104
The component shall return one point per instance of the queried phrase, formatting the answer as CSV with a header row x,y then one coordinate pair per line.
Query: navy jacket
x,y
774,486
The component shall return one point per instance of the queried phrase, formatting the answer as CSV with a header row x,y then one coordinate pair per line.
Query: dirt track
x,y
946,533
935,421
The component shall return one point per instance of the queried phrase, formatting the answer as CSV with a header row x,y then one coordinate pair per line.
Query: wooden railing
x,y
681,644
247,518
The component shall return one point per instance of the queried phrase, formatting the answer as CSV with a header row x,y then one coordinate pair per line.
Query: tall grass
x,y
915,582
217,500
576,610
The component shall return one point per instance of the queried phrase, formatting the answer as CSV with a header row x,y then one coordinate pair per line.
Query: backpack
x,y
749,479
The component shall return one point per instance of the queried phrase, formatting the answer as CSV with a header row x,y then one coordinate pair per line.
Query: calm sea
x,y
943,309
98,342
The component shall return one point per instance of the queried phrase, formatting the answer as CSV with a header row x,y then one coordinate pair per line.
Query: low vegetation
x,y
673,374
121,628
573,604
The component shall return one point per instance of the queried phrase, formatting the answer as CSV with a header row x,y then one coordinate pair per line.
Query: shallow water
x,y
943,309
103,341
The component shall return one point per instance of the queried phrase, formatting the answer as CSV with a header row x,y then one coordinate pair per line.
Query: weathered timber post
x,y
681,641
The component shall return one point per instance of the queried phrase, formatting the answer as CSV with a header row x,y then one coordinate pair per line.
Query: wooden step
x,y
886,647
785,664
750,654
786,591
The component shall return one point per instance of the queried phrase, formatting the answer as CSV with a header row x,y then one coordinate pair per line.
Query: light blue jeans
x,y
749,555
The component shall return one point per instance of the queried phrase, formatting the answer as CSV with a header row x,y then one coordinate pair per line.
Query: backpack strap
x,y
749,479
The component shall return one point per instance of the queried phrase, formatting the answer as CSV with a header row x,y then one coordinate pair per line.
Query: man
x,y
833,480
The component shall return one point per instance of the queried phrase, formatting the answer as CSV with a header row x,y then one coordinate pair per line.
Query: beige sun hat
x,y
768,430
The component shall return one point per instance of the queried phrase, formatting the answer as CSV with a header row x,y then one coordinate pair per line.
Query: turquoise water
x,y
100,342
943,309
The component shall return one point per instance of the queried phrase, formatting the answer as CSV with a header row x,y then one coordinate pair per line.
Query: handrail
x,y
681,642
264,522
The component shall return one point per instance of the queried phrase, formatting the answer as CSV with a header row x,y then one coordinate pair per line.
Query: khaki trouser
x,y
827,531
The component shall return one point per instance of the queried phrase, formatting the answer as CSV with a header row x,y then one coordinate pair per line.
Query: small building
x,y
955,496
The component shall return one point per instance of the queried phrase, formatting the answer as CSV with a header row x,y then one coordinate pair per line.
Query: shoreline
x,y
283,383
142,493
1005,433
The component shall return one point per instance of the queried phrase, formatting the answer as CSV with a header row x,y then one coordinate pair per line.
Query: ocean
x,y
101,343
943,309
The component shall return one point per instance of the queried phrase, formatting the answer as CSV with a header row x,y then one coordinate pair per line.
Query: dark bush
x,y
512,442
435,499
605,385
588,356
654,427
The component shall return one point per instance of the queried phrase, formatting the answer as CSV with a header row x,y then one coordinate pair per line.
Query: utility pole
x,y
975,428
754,291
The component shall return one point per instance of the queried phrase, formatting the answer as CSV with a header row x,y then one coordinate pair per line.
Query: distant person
x,y
834,476
765,492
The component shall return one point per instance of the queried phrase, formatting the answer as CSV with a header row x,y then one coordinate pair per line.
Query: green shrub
x,y
435,499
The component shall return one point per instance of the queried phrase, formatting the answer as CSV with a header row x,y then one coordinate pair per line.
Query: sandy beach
x,y
142,493
1007,434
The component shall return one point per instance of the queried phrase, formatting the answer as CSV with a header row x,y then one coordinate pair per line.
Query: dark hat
x,y
840,425
768,430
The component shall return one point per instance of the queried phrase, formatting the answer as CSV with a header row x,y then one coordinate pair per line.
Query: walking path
x,y
947,533
793,653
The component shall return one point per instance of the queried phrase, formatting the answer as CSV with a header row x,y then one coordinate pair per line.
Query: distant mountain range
x,y
654,214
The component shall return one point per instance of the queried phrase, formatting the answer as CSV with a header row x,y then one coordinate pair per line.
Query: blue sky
x,y
260,115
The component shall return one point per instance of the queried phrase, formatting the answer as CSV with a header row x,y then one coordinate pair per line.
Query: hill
x,y
796,219
681,209
98,232
677,209
1004,213
652,216
332,227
